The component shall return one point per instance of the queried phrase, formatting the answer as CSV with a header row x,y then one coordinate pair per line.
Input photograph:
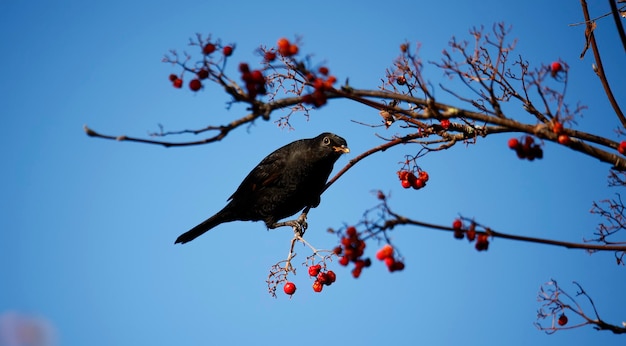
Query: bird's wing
x,y
264,174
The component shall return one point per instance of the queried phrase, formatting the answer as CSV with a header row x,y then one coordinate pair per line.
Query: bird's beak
x,y
343,149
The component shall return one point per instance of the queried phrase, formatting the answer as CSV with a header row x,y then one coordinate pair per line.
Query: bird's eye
x,y
326,141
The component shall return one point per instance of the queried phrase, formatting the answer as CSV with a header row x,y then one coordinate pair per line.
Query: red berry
x,y
314,270
471,232
178,83
195,84
228,50
270,56
562,320
622,148
344,260
203,74
318,286
338,250
563,139
557,127
528,141
513,143
356,272
208,49
389,261
331,276
445,123
330,81
173,77
423,175
385,252
283,45
401,80
293,49
457,224
403,175
405,184
367,262
396,266
351,231
289,288
257,77
243,67
458,234
482,242
322,278
555,68
323,70
418,184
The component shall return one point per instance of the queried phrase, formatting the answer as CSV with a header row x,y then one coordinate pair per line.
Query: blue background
x,y
87,225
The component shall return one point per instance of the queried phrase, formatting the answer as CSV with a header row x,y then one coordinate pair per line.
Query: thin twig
x,y
600,69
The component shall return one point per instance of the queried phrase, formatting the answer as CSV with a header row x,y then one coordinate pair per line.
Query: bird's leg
x,y
299,225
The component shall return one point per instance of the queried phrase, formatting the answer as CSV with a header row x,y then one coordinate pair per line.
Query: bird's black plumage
x,y
283,183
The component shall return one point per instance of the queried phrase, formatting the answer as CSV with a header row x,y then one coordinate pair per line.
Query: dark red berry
x,y
322,278
228,50
203,74
562,320
331,276
351,231
195,84
208,49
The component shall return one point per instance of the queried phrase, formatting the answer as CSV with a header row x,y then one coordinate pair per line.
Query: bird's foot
x,y
299,225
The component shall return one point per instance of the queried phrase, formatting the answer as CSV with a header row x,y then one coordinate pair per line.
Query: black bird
x,y
285,182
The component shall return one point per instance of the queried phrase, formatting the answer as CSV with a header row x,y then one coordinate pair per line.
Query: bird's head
x,y
335,143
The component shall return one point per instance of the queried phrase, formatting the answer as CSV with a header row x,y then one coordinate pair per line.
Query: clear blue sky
x,y
87,226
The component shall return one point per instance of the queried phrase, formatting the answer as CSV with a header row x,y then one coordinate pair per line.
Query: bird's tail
x,y
203,227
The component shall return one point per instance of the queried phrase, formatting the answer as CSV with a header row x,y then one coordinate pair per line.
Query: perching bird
x,y
285,182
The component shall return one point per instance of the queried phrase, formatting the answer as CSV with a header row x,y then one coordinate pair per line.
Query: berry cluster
x,y
176,81
351,250
482,238
202,73
210,47
286,48
408,179
526,148
386,254
562,138
321,277
255,81
321,83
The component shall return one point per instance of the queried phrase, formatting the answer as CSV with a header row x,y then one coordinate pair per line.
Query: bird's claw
x,y
299,225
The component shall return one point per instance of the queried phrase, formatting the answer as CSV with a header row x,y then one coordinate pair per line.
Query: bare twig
x,y
600,69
